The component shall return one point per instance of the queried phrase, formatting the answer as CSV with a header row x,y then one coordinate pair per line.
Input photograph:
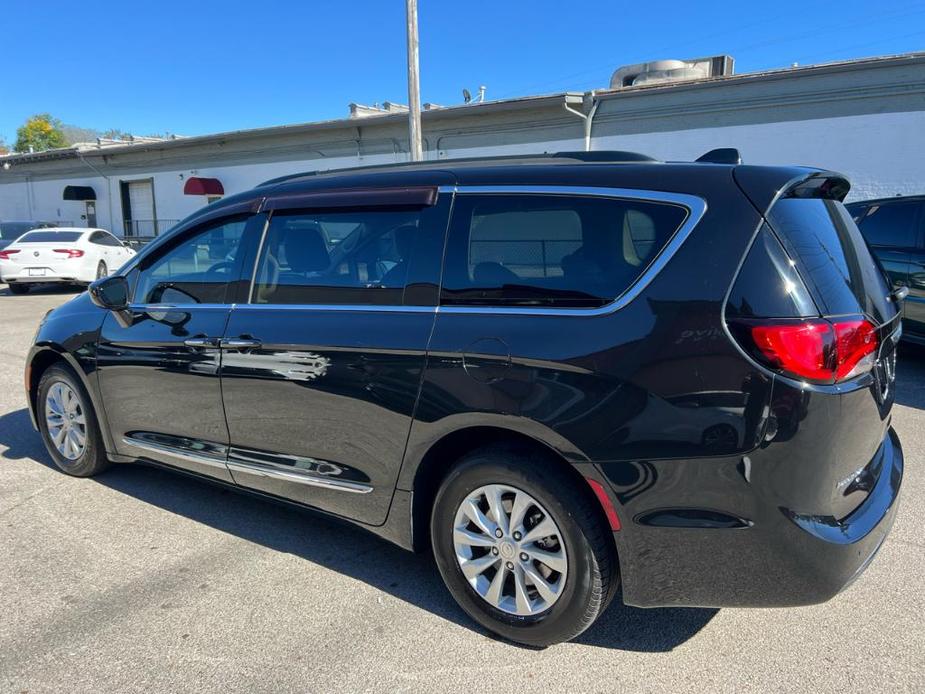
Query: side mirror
x,y
110,293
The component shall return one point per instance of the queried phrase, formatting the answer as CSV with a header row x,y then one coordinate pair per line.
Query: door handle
x,y
201,342
239,343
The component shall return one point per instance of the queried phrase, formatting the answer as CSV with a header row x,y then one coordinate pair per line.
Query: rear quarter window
x,y
832,256
563,251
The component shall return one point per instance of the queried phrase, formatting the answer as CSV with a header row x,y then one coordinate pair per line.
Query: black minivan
x,y
895,230
564,375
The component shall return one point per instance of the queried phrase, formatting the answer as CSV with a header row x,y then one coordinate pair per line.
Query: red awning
x,y
203,186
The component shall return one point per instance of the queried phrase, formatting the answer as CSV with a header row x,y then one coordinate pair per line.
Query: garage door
x,y
141,204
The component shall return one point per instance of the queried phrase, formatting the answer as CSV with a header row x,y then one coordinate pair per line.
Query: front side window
x,y
894,224
197,270
552,250
351,257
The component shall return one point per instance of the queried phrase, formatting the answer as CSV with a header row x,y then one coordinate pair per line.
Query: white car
x,y
61,254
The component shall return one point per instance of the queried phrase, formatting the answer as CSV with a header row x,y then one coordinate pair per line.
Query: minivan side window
x,y
893,224
196,270
551,250
343,257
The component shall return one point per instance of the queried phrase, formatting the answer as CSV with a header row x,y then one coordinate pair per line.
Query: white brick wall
x,y
882,154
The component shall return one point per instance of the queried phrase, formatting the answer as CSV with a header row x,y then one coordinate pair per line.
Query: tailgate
x,y
836,265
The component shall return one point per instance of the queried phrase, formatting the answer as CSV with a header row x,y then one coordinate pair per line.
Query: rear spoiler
x,y
765,185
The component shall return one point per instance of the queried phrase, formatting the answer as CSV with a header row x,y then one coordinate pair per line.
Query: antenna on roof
x,y
467,97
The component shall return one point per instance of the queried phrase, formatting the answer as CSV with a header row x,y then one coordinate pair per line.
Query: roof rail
x,y
723,155
612,156
601,156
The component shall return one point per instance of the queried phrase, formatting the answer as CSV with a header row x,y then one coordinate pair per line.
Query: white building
x,y
865,118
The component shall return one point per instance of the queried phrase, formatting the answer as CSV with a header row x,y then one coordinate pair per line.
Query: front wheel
x,y
68,423
522,547
101,270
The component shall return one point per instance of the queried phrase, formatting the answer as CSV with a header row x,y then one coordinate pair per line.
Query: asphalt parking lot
x,y
140,580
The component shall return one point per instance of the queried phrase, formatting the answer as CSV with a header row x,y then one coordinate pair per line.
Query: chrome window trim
x,y
696,208
161,308
299,478
368,308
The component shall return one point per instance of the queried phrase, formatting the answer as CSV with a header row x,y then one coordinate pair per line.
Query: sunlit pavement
x,y
141,580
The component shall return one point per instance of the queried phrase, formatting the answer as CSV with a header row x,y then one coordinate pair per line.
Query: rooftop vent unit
x,y
363,111
670,71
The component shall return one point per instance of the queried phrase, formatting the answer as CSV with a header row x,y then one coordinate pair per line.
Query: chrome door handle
x,y
200,342
239,343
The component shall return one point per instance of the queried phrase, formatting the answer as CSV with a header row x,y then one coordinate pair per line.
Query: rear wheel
x,y
18,288
68,424
521,547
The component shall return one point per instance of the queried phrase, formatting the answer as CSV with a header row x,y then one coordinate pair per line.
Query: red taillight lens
x,y
71,252
855,347
800,349
5,255
817,350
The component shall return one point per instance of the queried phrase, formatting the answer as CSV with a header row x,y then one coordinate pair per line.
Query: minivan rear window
x,y
50,237
568,251
832,256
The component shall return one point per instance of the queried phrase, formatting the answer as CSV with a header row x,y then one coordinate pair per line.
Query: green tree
x,y
38,133
3,148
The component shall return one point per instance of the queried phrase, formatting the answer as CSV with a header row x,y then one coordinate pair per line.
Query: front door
x,y
159,364
321,369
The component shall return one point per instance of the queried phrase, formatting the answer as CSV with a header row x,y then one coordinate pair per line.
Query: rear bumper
x,y
13,273
39,280
780,559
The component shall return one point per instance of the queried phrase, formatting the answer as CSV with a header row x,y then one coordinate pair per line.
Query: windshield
x,y
51,237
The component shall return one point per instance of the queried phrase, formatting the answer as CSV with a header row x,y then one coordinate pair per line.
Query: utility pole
x,y
414,85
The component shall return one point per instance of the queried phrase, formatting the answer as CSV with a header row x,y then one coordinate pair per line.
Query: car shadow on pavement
x,y
910,376
20,439
322,540
46,289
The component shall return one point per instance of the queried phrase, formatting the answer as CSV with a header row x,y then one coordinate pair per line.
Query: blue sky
x,y
202,66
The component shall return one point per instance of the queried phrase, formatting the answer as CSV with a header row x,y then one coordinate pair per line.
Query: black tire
x,y
101,270
18,288
93,459
593,573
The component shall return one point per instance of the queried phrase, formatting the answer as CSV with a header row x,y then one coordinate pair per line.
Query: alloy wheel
x,y
510,550
65,420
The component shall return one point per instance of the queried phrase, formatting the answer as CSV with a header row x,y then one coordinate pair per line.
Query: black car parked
x,y
895,230
10,231
564,374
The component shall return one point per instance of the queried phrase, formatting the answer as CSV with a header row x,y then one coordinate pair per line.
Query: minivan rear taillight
x,y
5,255
817,350
71,252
